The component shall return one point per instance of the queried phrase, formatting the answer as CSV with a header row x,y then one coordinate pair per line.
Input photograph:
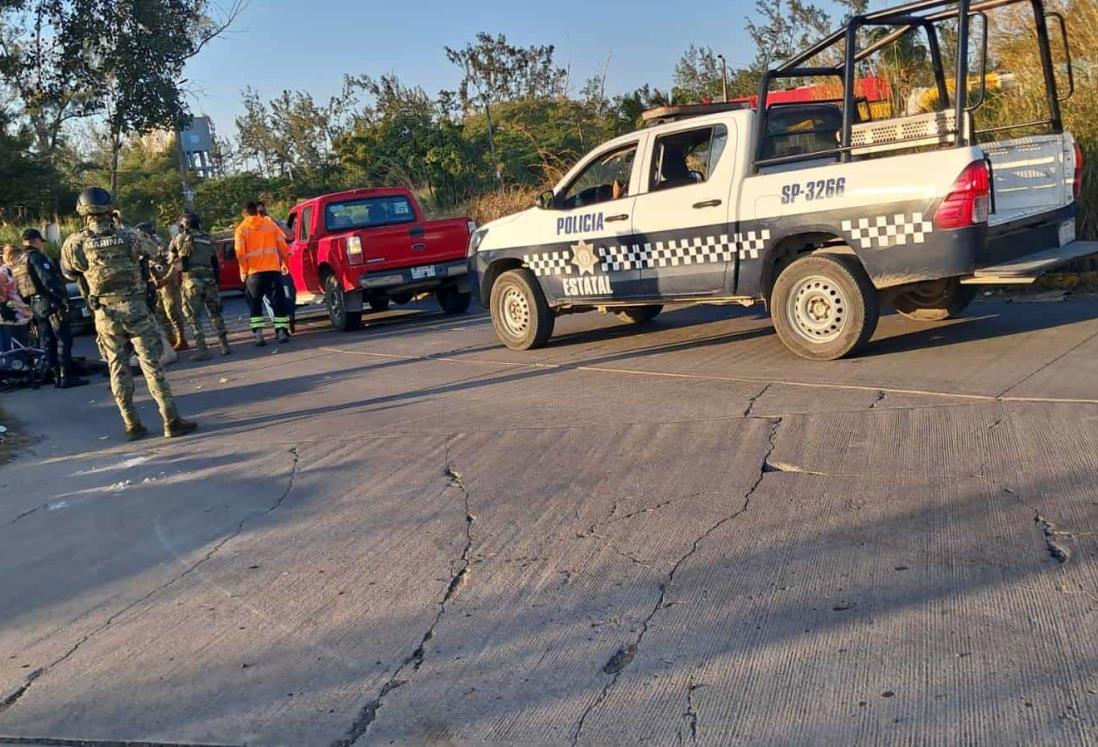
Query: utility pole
x,y
188,195
724,77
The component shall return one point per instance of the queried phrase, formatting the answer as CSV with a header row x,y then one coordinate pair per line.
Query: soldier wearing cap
x,y
108,258
42,287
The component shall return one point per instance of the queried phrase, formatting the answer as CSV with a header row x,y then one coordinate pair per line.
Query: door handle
x,y
706,203
612,218
419,247
417,231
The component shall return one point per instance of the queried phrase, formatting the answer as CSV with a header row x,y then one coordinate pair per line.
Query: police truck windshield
x,y
368,212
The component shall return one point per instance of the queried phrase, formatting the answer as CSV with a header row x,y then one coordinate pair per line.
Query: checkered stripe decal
x,y
550,263
888,230
648,255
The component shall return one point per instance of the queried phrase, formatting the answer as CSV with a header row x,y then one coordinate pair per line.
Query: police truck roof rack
x,y
927,18
673,113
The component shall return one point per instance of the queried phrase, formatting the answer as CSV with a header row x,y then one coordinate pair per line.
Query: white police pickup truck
x,y
811,207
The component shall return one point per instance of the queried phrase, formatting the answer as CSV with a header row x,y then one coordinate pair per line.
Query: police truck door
x,y
586,235
682,216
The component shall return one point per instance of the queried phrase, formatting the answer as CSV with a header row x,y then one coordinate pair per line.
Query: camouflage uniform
x,y
169,302
109,259
195,253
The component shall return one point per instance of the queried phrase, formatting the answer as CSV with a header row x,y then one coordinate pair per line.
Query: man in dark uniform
x,y
42,287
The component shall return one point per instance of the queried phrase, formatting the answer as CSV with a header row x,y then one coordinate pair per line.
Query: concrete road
x,y
668,534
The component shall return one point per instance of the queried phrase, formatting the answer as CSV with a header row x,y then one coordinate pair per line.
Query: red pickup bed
x,y
373,246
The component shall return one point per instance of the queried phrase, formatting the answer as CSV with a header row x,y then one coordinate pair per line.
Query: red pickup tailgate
x,y
412,244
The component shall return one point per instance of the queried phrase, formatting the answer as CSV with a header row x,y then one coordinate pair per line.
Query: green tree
x,y
495,71
120,59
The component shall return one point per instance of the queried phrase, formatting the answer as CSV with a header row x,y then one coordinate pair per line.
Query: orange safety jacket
x,y
260,246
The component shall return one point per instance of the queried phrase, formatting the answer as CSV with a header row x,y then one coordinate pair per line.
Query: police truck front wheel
x,y
521,316
935,300
335,298
824,307
638,314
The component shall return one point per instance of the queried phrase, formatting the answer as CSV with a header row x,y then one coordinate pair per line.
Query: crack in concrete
x,y
55,742
634,646
690,714
368,713
26,513
747,412
1052,535
12,698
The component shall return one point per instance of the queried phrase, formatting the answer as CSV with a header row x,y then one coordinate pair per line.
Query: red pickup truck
x,y
373,246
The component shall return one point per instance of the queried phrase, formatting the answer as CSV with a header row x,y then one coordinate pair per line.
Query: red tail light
x,y
1077,179
969,200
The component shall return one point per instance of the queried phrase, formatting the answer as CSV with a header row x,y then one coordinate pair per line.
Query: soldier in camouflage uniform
x,y
169,294
109,260
194,251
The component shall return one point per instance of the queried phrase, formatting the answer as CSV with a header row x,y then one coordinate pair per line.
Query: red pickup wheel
x,y
453,301
336,301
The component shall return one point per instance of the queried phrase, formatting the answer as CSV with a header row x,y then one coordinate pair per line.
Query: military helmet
x,y
146,228
190,221
94,201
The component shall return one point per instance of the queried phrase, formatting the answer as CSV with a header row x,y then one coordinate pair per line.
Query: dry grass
x,y
492,205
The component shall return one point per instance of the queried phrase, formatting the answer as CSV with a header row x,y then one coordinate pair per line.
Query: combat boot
x,y
201,352
282,335
178,426
224,342
136,432
67,381
259,341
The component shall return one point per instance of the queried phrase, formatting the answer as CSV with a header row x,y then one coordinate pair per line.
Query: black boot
x,y
259,341
282,335
66,380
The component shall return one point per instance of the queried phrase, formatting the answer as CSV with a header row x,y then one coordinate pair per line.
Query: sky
x,y
310,44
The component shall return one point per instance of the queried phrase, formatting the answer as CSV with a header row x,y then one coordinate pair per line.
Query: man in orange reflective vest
x,y
261,251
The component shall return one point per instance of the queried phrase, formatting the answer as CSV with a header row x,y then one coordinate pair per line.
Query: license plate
x,y
1067,232
419,273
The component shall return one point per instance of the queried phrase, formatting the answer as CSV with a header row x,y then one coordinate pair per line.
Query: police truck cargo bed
x,y
823,208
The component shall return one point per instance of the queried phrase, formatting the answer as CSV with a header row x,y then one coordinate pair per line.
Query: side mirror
x,y
546,200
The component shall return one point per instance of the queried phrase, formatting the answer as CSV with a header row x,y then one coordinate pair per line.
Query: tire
x,y
521,317
336,301
452,300
824,307
638,314
379,304
935,300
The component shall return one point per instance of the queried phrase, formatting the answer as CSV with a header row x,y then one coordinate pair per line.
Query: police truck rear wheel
x,y
336,301
521,316
824,307
935,301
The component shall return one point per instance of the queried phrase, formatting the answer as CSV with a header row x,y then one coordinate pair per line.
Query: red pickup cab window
x,y
368,212
306,222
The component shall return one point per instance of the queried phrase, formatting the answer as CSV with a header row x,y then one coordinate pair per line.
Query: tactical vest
x,y
201,254
24,283
114,267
